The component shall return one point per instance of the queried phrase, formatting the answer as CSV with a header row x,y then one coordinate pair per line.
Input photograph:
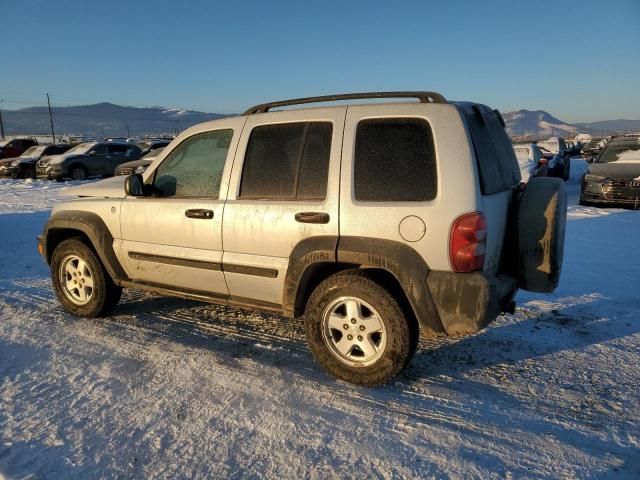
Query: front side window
x,y
394,161
194,168
99,150
287,161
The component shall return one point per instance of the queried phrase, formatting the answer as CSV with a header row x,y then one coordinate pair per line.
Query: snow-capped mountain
x,y
537,123
102,119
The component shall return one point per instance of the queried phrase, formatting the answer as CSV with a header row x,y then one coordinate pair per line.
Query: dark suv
x,y
24,166
88,159
15,147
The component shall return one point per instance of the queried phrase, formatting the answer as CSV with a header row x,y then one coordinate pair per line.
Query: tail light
x,y
467,242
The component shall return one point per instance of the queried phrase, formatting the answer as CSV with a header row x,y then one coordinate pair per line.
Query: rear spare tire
x,y
542,218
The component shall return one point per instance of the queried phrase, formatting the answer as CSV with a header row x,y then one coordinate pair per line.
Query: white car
x,y
531,161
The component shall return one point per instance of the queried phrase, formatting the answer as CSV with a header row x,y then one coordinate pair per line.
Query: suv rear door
x,y
284,190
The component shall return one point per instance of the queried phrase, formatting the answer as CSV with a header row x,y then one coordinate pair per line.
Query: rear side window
x,y
287,161
497,164
394,161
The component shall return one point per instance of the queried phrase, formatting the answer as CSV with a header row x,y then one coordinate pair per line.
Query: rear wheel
x,y
81,283
78,172
357,331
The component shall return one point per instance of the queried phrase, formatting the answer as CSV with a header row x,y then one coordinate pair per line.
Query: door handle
x,y
199,213
312,217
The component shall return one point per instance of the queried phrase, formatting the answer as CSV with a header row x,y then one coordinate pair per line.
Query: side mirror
x,y
134,185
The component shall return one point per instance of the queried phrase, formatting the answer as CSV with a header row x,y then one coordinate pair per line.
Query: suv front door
x,y
174,238
96,160
284,190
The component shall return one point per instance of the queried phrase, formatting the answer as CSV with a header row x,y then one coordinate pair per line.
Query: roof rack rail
x,y
424,97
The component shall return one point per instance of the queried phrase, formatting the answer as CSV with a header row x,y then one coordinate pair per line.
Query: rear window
x,y
394,161
497,164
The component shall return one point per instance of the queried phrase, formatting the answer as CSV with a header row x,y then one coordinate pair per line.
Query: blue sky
x,y
579,60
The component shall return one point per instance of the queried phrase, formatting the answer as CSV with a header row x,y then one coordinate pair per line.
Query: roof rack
x,y
424,97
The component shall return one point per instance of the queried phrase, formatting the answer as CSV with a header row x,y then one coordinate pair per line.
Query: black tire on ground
x,y
567,169
105,294
542,217
28,171
401,334
77,172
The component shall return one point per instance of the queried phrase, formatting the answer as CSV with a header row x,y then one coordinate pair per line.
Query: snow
x,y
167,388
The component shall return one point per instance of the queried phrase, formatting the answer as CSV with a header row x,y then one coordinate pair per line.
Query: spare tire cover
x,y
542,218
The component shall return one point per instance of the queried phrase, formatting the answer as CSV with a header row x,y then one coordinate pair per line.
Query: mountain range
x,y
102,120
106,119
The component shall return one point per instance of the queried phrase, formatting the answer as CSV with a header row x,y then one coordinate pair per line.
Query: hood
x,y
108,188
54,159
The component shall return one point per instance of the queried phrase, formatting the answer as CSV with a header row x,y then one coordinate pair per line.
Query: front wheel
x,y
357,331
81,283
78,172
28,171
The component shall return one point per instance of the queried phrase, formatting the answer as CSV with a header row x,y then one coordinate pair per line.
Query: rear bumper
x,y
468,302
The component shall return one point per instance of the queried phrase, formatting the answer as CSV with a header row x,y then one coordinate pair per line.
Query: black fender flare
x,y
95,230
403,262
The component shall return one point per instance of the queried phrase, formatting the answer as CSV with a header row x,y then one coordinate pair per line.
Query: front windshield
x,y
615,152
82,148
33,151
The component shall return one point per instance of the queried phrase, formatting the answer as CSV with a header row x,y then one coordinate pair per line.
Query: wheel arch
x,y
71,223
394,265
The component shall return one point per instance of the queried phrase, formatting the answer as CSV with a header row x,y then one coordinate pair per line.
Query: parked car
x,y
24,166
351,217
15,147
88,159
614,176
559,160
592,148
138,166
149,145
531,161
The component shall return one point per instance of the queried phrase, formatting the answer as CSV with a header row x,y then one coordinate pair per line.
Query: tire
x,y
81,283
385,352
567,169
28,171
78,172
542,217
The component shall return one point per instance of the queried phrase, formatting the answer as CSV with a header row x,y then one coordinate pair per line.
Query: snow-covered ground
x,y
167,388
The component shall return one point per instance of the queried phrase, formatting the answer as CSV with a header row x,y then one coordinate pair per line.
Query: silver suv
x,y
372,222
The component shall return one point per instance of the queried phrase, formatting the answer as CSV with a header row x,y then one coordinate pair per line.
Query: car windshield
x,y
622,152
33,151
82,148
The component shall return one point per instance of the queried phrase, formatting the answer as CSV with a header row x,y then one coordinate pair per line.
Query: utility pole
x,y
177,121
53,136
128,134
